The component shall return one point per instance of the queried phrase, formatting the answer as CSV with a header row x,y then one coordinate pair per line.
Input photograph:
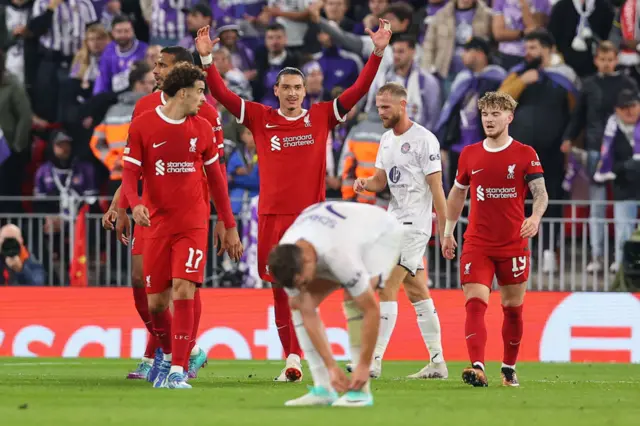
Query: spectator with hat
x,y
242,57
199,15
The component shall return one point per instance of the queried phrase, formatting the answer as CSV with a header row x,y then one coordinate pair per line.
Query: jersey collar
x,y
162,98
167,119
304,112
502,148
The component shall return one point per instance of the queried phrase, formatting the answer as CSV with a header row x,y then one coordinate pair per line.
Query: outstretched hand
x,y
204,44
381,37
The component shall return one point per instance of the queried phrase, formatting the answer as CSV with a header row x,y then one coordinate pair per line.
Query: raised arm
x,y
219,89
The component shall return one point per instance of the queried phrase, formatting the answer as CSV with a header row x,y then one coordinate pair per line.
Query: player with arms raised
x,y
331,246
291,144
409,162
498,172
169,147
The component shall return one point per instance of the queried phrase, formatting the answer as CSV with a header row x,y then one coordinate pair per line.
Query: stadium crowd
x,y
71,72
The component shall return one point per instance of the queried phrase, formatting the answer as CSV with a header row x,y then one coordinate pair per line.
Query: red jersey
x,y
498,181
292,154
172,155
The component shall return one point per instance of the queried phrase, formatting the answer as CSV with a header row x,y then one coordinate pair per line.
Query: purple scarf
x,y
574,168
605,166
5,151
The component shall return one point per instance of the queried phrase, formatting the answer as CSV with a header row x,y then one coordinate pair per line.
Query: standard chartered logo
x,y
495,193
163,168
275,144
291,142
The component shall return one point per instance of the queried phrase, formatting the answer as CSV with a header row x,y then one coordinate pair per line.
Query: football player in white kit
x,y
335,245
409,162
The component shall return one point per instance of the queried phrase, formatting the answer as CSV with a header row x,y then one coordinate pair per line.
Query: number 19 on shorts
x,y
519,265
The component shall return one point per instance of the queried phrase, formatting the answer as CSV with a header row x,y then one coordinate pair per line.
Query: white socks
x,y
388,317
195,351
167,357
354,318
293,358
319,372
429,325
176,369
147,360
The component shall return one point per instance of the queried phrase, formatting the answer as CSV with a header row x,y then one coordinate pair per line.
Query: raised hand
x,y
204,44
381,37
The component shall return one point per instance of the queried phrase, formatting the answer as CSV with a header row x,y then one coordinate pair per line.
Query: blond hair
x,y
497,100
394,89
606,47
83,57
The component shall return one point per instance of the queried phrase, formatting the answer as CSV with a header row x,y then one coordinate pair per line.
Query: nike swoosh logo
x,y
190,271
473,172
471,335
156,145
516,275
271,126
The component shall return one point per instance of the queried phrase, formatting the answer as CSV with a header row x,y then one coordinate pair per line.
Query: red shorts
x,y
137,242
271,228
476,267
174,256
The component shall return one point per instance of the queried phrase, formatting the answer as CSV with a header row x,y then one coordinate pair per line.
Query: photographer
x,y
17,266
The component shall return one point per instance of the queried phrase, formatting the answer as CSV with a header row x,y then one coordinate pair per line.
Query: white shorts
x,y
414,247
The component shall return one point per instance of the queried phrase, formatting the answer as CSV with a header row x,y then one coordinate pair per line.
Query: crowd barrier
x,y
239,324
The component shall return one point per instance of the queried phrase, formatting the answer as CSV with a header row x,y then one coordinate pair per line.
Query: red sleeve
x,y
533,168
212,116
220,91
462,174
132,161
350,97
216,181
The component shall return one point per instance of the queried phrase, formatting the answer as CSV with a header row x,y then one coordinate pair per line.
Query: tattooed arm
x,y
530,226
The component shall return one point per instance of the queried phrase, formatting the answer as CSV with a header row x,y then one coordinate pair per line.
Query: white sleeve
x,y
349,269
367,46
431,162
379,162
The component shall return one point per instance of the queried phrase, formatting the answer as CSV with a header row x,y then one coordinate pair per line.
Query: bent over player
x,y
168,147
408,161
291,144
331,246
497,172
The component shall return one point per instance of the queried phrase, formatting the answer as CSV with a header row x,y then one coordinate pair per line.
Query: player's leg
x,y
197,357
476,275
512,274
322,393
270,231
157,273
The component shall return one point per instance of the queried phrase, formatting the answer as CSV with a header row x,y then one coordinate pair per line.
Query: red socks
x,y
182,329
512,328
286,332
162,329
197,311
475,329
142,306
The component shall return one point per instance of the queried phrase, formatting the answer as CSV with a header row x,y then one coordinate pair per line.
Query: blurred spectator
x,y
376,9
460,123
336,11
316,92
241,56
15,124
235,79
198,16
110,137
621,163
512,19
242,168
60,26
115,63
546,96
450,29
626,36
111,9
424,101
248,14
152,55
270,59
339,67
577,27
17,265
13,24
167,21
594,106
293,15
433,7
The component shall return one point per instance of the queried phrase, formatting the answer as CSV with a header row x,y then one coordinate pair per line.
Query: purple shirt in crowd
x,y
464,32
115,67
168,21
512,13
236,9
99,5
340,68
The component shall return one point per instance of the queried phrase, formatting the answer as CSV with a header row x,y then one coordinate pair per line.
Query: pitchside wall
x,y
102,322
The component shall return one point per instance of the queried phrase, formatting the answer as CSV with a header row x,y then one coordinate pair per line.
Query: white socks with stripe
x,y
319,372
429,325
388,317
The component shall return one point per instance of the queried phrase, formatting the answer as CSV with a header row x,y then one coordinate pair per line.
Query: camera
x,y
10,247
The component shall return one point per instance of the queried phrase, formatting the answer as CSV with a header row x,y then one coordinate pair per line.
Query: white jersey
x,y
353,242
407,160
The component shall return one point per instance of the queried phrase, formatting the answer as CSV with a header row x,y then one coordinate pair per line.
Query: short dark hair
x,y
120,19
182,76
276,27
544,37
180,54
405,38
404,11
138,71
285,262
290,71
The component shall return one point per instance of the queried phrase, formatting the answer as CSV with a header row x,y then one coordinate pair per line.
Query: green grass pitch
x,y
92,392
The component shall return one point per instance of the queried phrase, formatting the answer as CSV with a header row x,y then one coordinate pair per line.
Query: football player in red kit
x,y
170,147
497,172
169,57
291,144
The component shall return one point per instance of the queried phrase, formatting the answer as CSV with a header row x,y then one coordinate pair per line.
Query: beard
x,y
391,122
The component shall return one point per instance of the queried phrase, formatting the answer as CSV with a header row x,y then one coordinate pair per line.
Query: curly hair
x,y
497,100
182,76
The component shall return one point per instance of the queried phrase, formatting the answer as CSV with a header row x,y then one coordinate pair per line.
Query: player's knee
x,y
157,305
389,293
512,301
183,289
416,287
